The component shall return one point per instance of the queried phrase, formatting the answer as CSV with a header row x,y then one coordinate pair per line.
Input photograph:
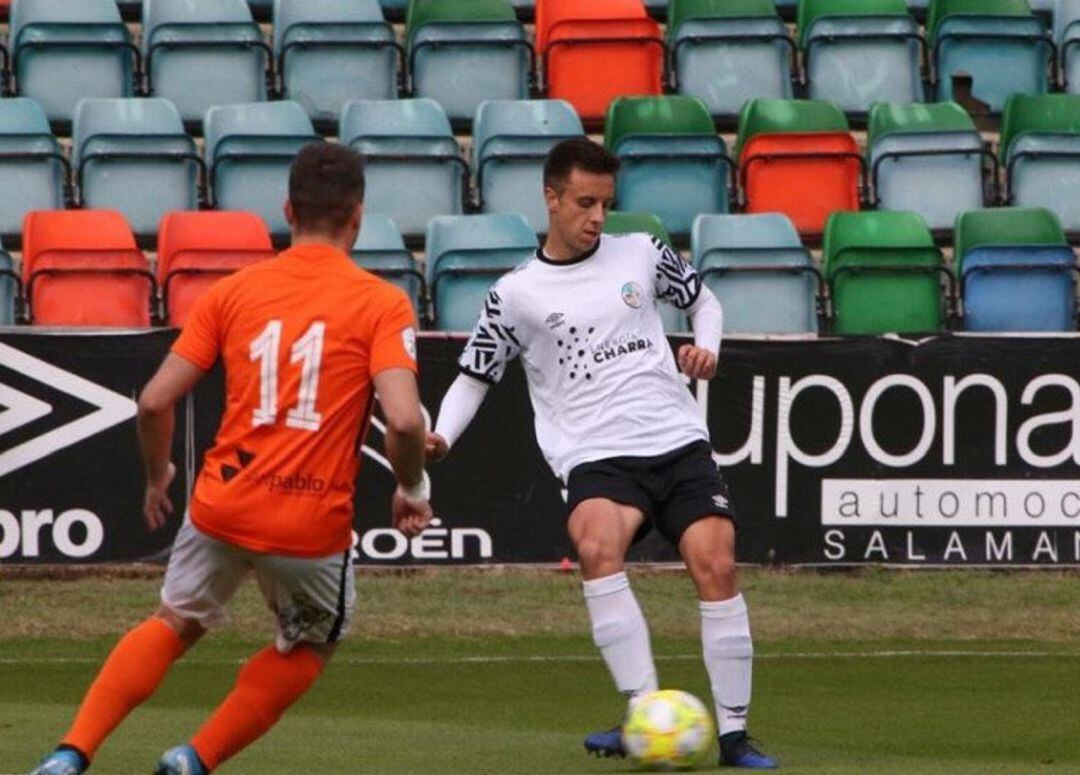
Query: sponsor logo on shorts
x,y
300,617
720,501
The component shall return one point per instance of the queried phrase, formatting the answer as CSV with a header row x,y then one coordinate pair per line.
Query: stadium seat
x,y
614,42
465,52
334,51
63,51
884,274
249,149
414,167
1017,273
381,250
81,268
856,52
34,170
203,53
132,155
1067,36
756,265
511,139
673,162
928,159
1000,44
196,249
1040,146
619,222
797,157
10,290
726,52
466,254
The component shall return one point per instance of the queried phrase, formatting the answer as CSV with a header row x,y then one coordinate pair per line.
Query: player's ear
x,y
290,216
356,217
551,198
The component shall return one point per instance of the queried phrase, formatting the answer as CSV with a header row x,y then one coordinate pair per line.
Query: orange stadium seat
x,y
196,249
81,268
593,52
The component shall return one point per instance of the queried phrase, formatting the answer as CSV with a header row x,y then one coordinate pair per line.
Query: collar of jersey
x,y
316,252
570,261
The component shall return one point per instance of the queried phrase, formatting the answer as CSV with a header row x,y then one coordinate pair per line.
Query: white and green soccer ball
x,y
667,730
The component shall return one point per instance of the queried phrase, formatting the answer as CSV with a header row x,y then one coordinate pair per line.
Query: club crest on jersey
x,y
554,320
632,295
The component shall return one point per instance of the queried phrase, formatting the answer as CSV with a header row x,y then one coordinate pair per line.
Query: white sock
x,y
729,654
620,632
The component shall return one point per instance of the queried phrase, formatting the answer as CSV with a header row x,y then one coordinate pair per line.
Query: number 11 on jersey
x,y
308,350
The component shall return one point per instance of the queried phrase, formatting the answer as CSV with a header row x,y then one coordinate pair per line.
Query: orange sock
x,y
134,669
265,688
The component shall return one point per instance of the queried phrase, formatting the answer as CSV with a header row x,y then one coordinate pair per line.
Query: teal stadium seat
x,y
1040,146
466,254
63,51
1001,44
249,150
465,52
511,139
415,169
9,289
757,266
381,250
928,159
856,52
203,53
725,52
33,167
334,51
673,162
133,155
1067,35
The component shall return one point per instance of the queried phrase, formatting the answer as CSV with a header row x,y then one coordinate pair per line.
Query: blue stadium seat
x,y
9,289
857,53
929,159
673,162
34,170
202,53
1001,44
726,52
415,169
759,270
1067,35
465,52
465,256
511,139
249,150
132,155
381,250
63,51
334,51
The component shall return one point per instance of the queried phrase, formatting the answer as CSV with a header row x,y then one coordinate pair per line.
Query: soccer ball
x,y
667,730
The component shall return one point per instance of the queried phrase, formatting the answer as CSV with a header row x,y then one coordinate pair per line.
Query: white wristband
x,y
421,491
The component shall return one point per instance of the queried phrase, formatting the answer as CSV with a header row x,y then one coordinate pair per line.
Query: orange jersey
x,y
301,337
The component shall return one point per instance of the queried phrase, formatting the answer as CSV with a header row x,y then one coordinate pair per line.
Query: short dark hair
x,y
325,183
577,153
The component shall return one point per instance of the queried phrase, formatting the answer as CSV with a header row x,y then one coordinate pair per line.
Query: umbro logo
x,y
554,320
720,501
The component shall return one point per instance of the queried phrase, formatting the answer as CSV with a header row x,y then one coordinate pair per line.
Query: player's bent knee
x,y
599,557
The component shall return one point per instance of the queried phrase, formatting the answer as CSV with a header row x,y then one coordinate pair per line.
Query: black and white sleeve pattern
x,y
494,342
677,282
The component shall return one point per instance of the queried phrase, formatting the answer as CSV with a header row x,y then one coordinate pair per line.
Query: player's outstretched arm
x,y
460,404
698,361
400,400
174,378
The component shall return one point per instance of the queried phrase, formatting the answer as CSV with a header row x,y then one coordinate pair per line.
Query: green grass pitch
x,y
493,673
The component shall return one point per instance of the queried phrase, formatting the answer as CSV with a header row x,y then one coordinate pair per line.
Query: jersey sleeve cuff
x,y
482,377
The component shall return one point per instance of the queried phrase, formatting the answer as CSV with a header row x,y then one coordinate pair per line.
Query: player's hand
x,y
411,515
697,362
435,448
156,504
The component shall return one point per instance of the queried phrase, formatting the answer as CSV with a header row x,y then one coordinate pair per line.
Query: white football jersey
x,y
602,378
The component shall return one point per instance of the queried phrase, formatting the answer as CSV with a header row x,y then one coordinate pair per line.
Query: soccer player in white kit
x,y
618,425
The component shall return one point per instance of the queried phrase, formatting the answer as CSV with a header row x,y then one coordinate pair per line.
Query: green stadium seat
x,y
725,52
884,274
756,265
1016,270
619,222
856,52
673,162
1040,146
928,159
467,51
